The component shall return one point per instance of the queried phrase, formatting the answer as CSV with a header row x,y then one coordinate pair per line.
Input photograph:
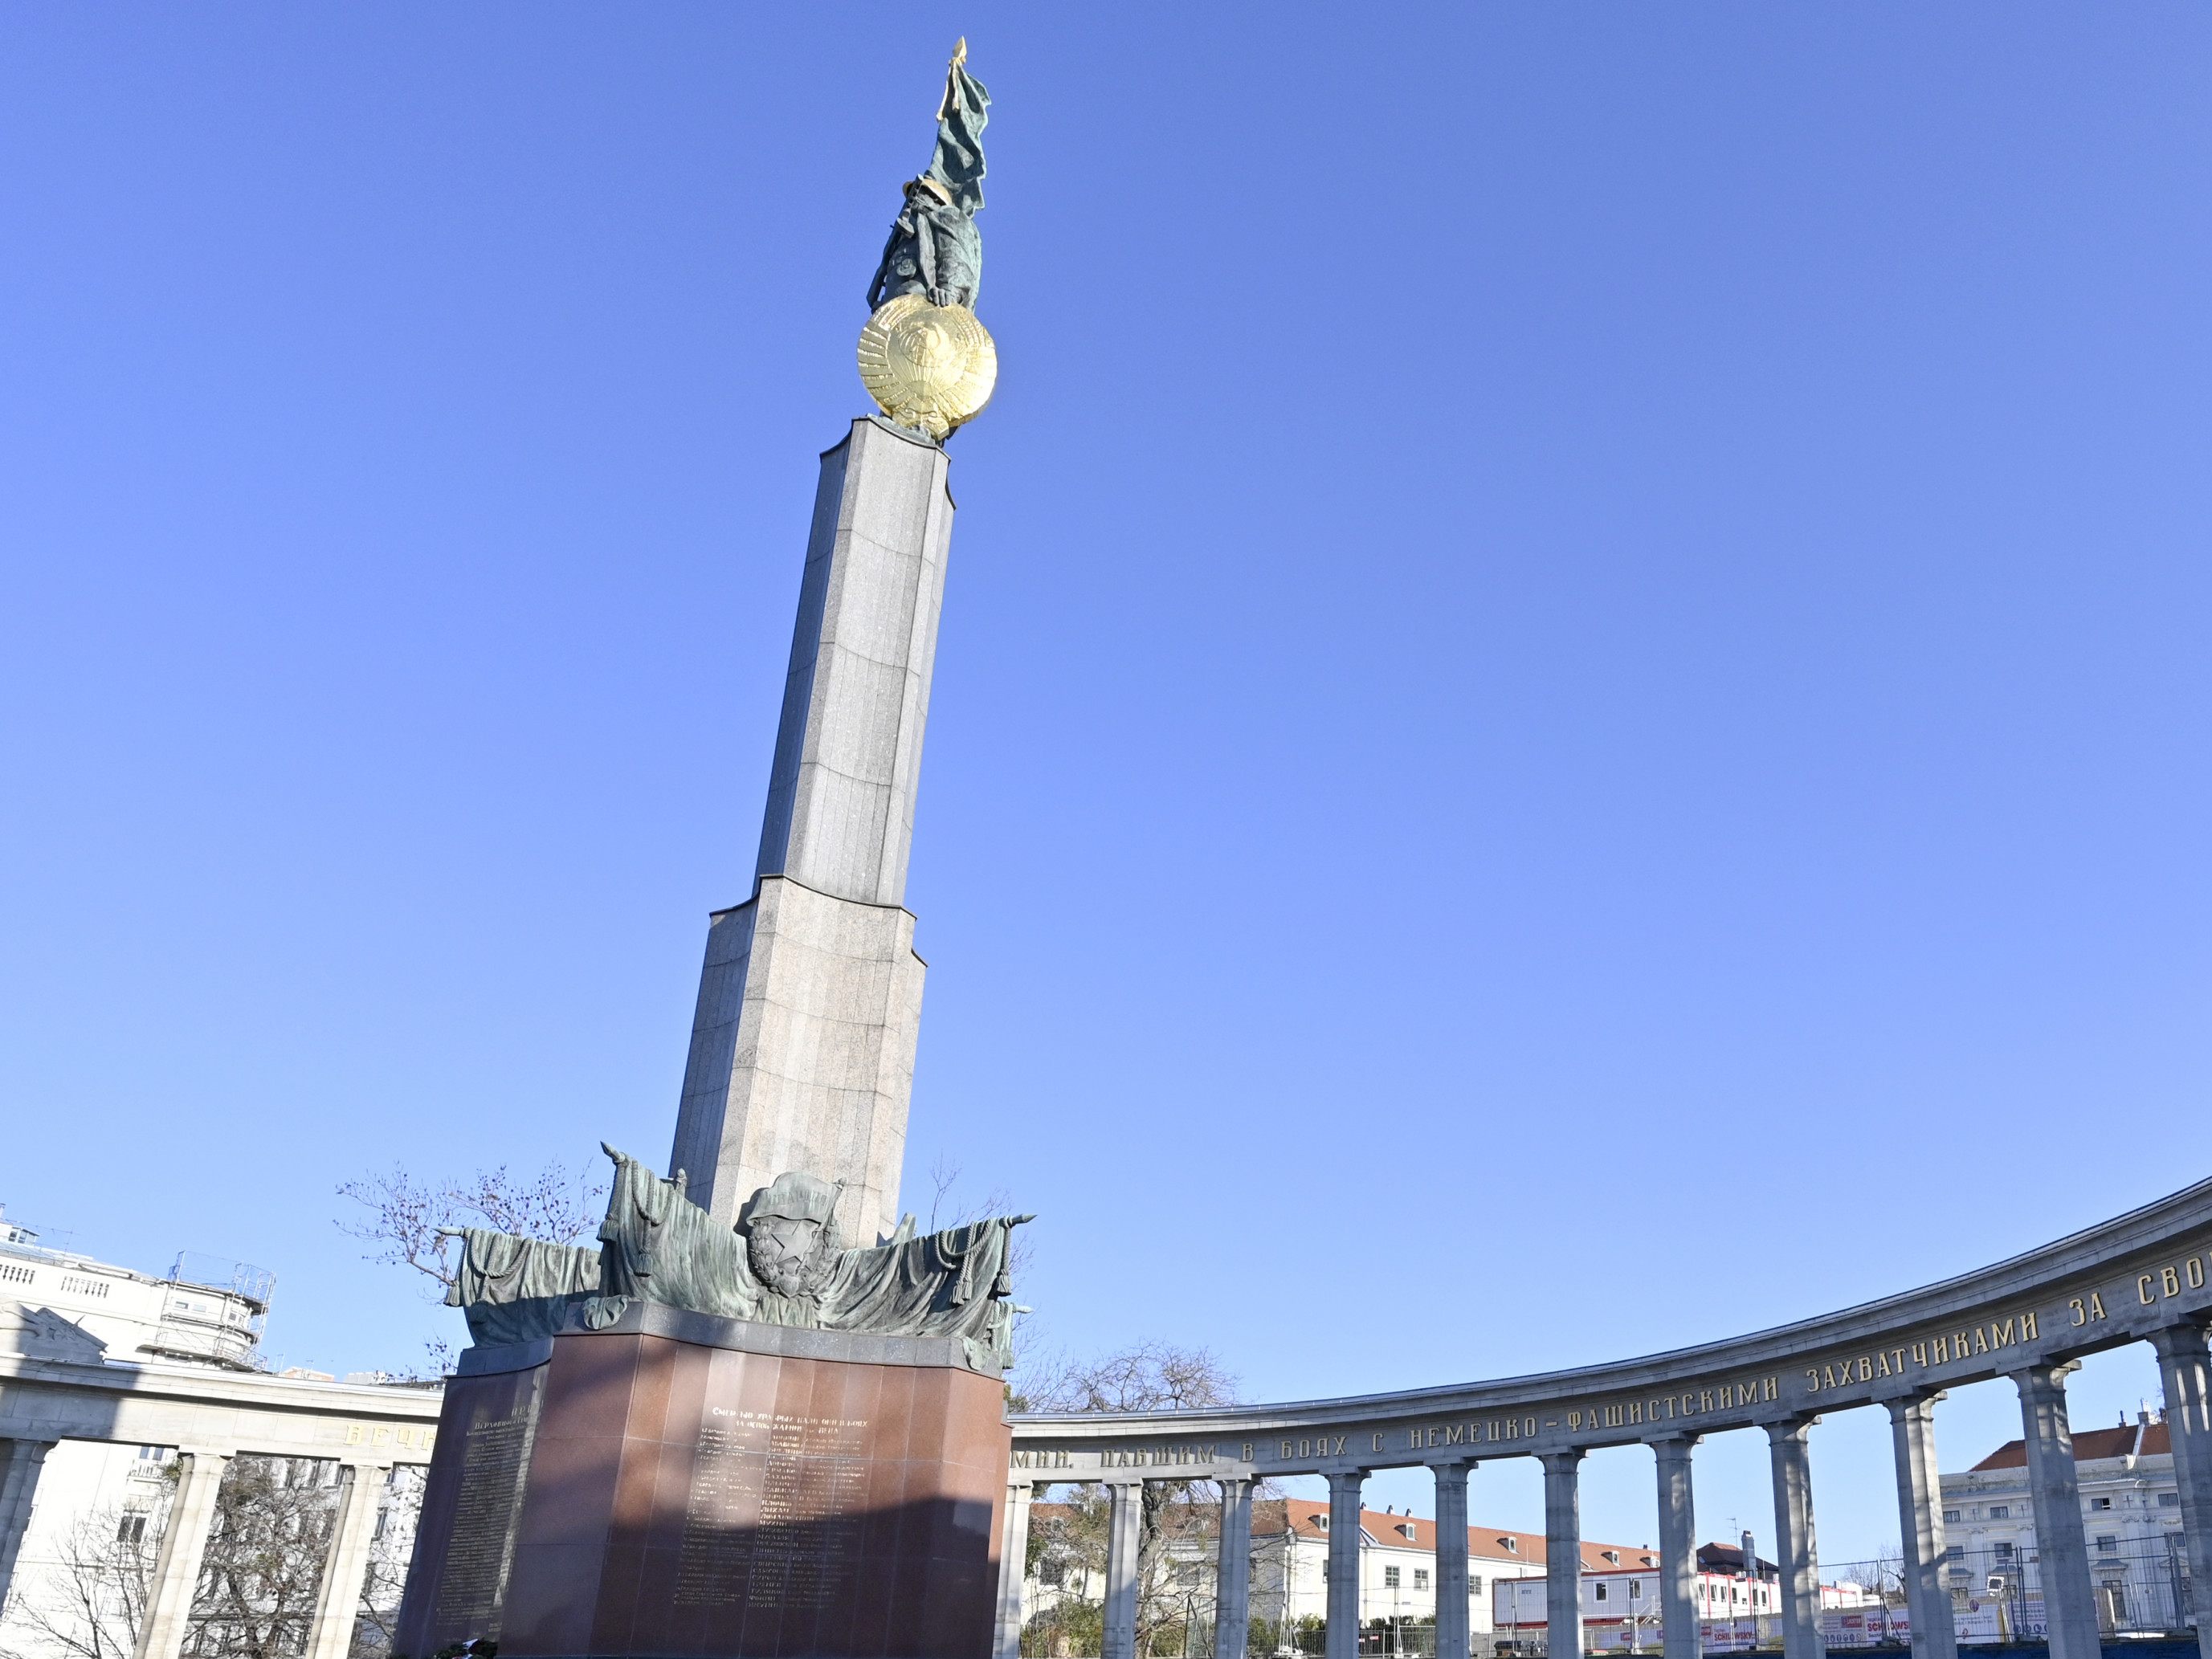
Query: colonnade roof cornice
x,y
217,1414
2097,1288
249,1388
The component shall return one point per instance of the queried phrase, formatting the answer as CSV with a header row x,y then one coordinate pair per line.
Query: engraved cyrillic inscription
x,y
474,1583
772,1520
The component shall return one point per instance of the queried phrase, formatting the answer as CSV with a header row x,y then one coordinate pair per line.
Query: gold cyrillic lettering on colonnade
x,y
1472,1432
416,1439
2168,1281
1668,1407
1944,1348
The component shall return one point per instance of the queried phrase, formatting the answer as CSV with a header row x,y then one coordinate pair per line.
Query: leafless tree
x,y
404,1214
948,1207
268,1544
1882,1572
1149,1376
265,1552
91,1604
378,1621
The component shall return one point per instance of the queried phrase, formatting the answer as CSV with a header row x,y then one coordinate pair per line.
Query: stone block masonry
x,y
810,1002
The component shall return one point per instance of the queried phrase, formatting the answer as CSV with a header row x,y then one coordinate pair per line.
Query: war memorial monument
x,y
727,1430
762,1418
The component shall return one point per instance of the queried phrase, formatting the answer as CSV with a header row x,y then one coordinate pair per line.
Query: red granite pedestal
x,y
682,1485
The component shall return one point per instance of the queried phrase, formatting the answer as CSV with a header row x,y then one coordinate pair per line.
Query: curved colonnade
x,y
2142,1277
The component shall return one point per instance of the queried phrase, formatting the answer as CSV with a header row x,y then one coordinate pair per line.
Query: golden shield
x,y
927,367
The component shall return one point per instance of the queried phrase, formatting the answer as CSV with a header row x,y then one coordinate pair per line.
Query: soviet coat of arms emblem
x,y
924,357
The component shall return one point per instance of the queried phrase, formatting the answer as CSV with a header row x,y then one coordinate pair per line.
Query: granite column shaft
x,y
1563,1555
2069,1604
1678,1548
2181,1365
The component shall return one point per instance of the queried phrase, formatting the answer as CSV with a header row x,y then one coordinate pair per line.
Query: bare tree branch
x,y
1149,1376
91,1604
404,1214
947,1210
256,1597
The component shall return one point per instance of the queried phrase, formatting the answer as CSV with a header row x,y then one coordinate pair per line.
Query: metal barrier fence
x,y
2141,1584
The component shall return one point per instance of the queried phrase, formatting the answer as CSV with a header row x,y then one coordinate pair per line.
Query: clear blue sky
x,y
1571,715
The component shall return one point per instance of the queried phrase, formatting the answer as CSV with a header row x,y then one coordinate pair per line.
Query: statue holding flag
x,y
925,358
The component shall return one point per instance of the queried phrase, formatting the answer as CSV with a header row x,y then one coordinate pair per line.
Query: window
x,y
2004,1550
2169,1500
131,1529
1598,1592
1512,1546
1474,1583
1950,1515
1635,1588
2100,1503
1955,1552
1420,1578
2107,1545
1390,1578
1322,1520
2000,1511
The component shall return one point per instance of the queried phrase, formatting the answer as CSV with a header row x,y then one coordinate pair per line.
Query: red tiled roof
x,y
2089,1445
1488,1543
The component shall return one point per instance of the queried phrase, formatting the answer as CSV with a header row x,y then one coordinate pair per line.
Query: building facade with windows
x,y
1290,1566
126,1400
2130,1515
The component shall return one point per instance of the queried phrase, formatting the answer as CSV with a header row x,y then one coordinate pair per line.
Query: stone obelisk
x,y
802,1046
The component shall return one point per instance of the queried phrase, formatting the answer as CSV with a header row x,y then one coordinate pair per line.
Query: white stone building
x,y
1621,1602
1290,1566
124,1400
2130,1515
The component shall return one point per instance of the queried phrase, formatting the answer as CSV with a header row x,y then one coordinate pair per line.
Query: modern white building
x,y
124,1398
2130,1515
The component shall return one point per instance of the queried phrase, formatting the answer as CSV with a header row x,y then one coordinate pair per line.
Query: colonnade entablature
x,y
2145,1276
210,1418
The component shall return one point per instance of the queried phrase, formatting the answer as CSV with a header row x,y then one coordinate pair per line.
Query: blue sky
x,y
1572,708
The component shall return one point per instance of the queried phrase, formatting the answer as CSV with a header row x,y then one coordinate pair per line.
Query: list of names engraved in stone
x,y
484,1523
773,1517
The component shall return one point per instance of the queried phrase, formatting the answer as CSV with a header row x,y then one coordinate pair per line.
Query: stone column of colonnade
x,y
1563,1553
183,1545
21,1464
1013,1561
1678,1548
1232,1579
345,1568
2183,1368
1344,1506
1920,1525
1124,1516
1794,1552
2069,1606
1451,1560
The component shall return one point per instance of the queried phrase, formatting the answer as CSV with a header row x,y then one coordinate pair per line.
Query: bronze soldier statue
x,y
933,249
